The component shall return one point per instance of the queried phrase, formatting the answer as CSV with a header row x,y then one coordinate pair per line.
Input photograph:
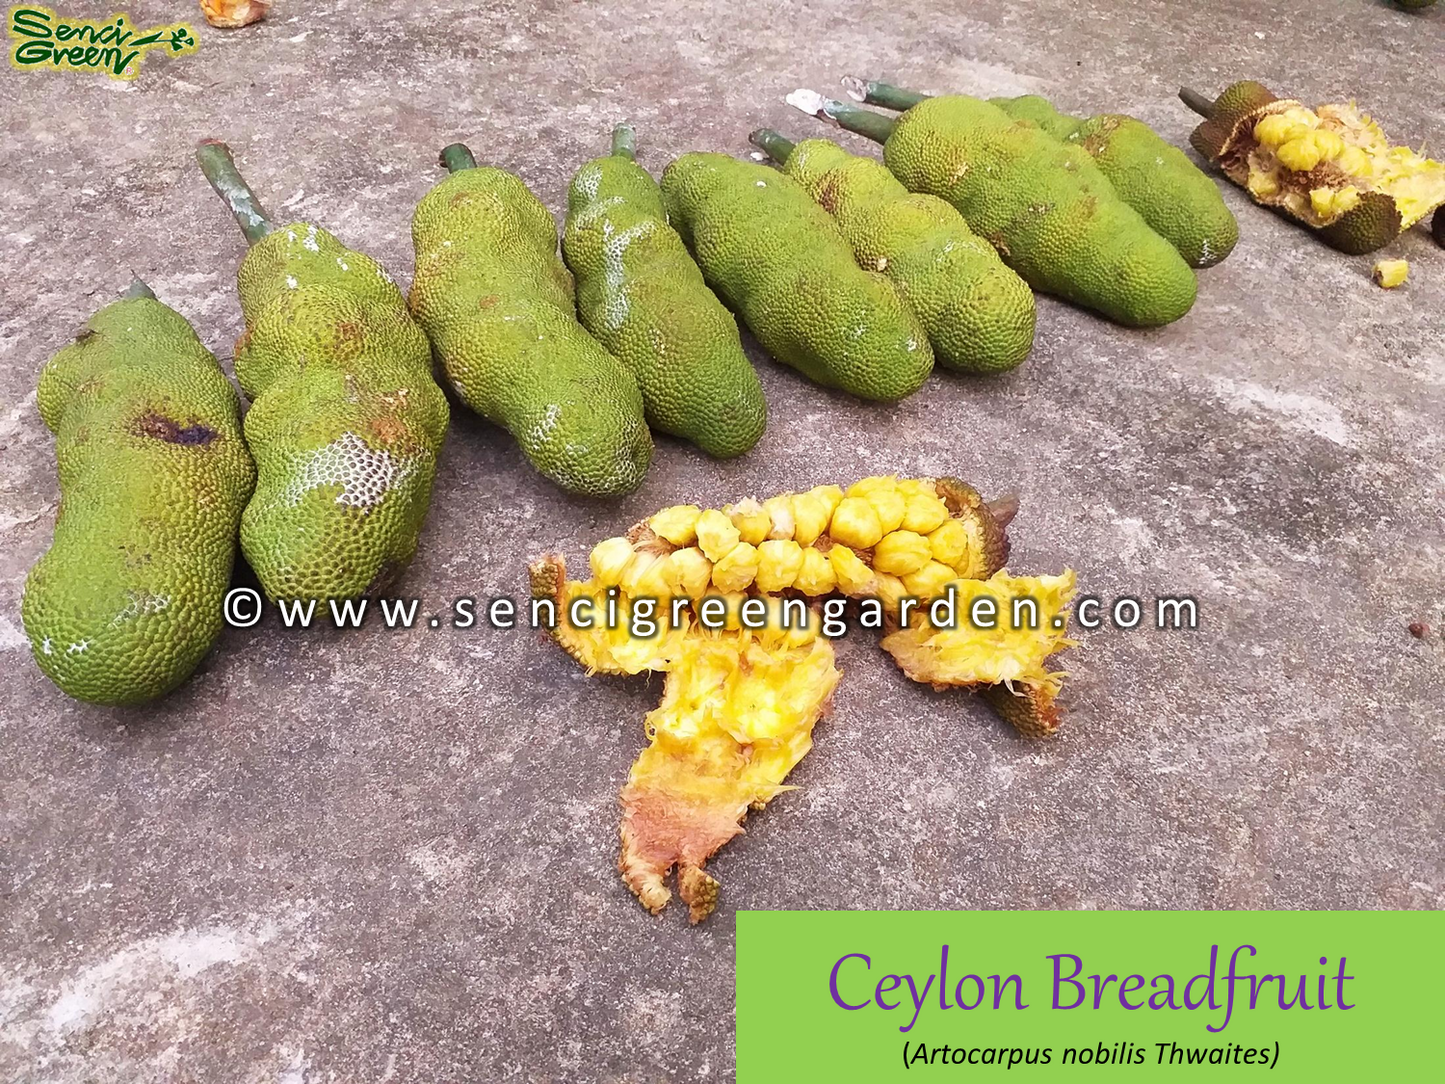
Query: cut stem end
x,y
215,160
457,157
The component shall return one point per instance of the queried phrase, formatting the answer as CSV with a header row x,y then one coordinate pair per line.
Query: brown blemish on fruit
x,y
158,427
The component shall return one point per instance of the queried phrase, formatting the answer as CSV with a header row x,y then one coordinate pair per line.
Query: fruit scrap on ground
x,y
1391,273
640,294
232,13
346,421
496,301
1331,167
979,315
739,702
153,477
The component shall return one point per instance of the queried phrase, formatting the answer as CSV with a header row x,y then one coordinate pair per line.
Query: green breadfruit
x,y
979,314
1157,179
640,294
496,301
1046,207
346,421
782,263
153,476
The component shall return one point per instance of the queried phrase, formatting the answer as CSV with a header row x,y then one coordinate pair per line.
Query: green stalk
x,y
458,157
884,95
624,142
1197,102
775,145
220,169
865,122
137,289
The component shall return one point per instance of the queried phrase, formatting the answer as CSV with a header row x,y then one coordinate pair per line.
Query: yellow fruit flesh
x,y
1013,653
737,715
817,542
1391,273
1315,163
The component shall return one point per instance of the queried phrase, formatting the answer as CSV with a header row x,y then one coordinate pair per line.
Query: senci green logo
x,y
44,40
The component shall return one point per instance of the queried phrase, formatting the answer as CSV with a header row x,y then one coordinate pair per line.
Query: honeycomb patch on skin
x,y
346,422
1008,659
1331,168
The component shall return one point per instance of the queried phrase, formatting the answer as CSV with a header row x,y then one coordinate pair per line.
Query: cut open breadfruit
x,y
1330,167
997,637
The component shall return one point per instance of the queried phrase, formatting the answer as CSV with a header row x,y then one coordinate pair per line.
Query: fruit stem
x,y
774,144
865,122
136,289
1197,102
1003,509
884,95
624,142
458,157
220,169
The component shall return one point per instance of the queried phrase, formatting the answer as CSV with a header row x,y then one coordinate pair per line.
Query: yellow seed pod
x,y
949,543
1323,201
1300,155
751,519
609,559
1346,199
780,512
688,572
930,580
831,494
853,576
778,564
732,601
645,576
1391,273
1263,185
1274,129
902,553
737,569
810,517
856,523
715,534
816,576
924,513
890,506
1328,143
865,487
677,524
890,592
1355,162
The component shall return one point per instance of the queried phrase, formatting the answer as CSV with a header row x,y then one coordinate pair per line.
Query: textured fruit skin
x,y
642,297
780,261
1437,226
496,301
1046,207
154,474
1157,179
345,422
979,315
1224,139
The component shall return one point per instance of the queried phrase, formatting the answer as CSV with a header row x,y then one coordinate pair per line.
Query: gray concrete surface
x,y
390,856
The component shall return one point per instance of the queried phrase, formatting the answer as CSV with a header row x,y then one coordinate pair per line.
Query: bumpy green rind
x,y
346,421
1157,179
642,297
1437,226
154,474
979,315
496,301
782,263
1046,207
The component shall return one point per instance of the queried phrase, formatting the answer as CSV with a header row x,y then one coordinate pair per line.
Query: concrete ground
x,y
390,856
